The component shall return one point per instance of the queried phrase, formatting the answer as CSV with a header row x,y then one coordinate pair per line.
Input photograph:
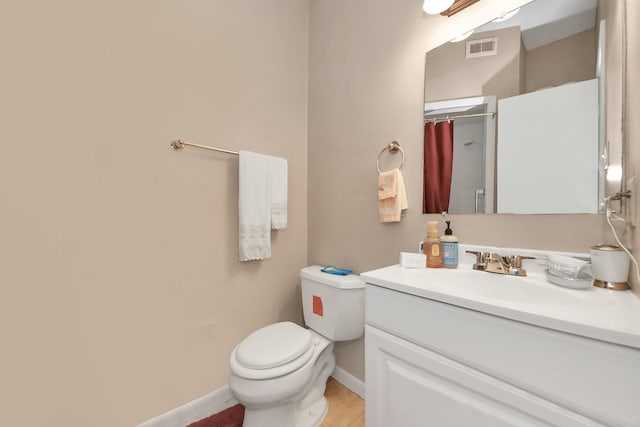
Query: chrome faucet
x,y
494,263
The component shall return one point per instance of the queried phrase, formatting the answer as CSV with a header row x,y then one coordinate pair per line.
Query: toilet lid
x,y
273,346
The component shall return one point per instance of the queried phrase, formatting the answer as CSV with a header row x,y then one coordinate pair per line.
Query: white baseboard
x,y
221,399
202,407
349,381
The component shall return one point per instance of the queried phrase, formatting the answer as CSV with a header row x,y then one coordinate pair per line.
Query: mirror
x,y
521,97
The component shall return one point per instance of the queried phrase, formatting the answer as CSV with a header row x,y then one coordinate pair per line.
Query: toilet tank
x,y
333,305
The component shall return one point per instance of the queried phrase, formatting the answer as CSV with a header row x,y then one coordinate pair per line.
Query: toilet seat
x,y
272,351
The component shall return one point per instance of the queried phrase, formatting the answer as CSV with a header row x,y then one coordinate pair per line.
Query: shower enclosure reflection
x,y
473,122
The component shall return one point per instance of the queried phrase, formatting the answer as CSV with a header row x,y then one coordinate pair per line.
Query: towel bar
x,y
179,145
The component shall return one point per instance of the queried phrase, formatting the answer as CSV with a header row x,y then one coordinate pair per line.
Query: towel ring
x,y
393,148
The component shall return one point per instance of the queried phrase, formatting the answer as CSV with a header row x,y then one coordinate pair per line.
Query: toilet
x,y
279,372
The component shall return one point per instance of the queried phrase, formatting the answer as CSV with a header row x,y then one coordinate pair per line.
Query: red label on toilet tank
x,y
317,306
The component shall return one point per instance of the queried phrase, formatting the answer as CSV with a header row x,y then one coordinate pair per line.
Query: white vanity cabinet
x,y
434,363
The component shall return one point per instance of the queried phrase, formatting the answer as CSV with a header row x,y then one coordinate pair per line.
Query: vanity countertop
x,y
611,316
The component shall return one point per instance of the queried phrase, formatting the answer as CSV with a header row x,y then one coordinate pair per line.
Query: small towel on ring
x,y
262,203
388,184
392,195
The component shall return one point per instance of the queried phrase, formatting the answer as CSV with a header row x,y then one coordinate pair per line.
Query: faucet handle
x,y
515,265
516,260
481,259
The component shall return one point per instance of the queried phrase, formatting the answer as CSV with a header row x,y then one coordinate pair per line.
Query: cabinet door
x,y
408,385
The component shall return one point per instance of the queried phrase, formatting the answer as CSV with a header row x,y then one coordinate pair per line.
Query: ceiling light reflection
x,y
507,15
461,37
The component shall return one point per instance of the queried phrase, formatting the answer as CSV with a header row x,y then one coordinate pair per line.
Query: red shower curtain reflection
x,y
438,166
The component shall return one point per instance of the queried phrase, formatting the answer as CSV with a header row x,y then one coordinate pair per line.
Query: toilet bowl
x,y
279,372
272,395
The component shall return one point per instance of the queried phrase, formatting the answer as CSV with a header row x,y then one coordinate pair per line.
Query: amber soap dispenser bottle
x,y
433,246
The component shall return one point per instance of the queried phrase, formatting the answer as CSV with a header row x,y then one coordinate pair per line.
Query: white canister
x,y
610,266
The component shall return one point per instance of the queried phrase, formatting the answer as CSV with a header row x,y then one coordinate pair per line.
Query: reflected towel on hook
x,y
262,203
392,196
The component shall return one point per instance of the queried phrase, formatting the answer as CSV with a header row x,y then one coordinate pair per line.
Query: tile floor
x,y
346,409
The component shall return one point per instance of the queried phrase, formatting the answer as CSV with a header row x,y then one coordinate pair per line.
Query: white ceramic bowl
x,y
582,281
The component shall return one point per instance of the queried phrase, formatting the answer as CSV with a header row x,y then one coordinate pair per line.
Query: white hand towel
x,y
278,172
262,203
254,207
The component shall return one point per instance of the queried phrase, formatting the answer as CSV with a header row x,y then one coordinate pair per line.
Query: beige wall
x,y
121,292
366,89
551,65
450,75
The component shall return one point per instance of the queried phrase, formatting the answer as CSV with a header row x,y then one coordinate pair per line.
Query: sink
x,y
529,290
598,313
